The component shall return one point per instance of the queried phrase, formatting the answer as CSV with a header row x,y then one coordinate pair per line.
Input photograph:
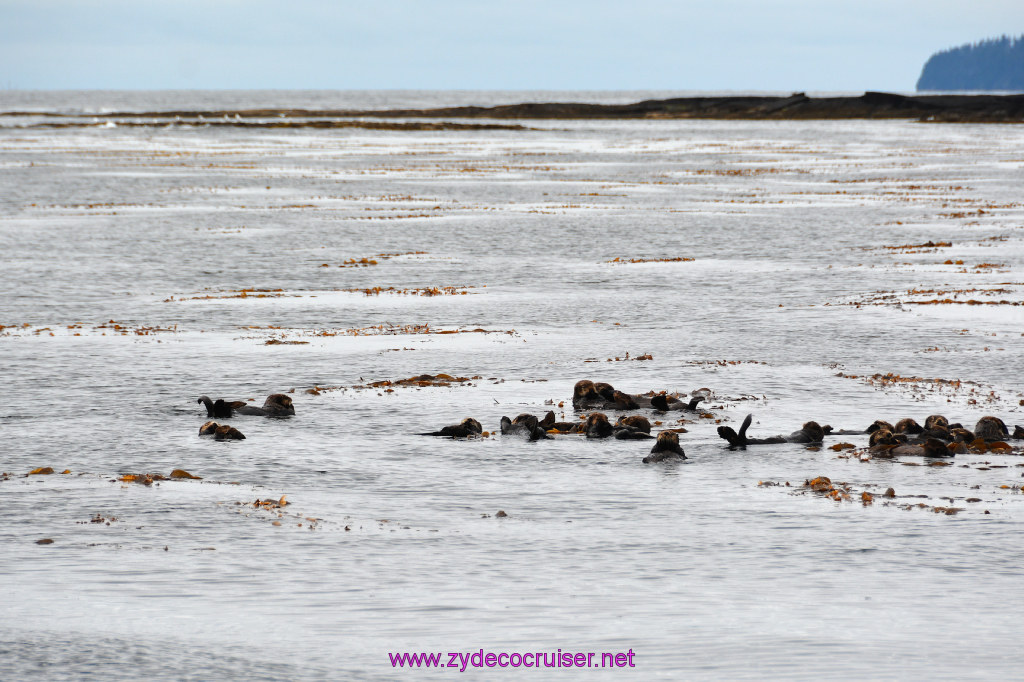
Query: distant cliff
x,y
995,64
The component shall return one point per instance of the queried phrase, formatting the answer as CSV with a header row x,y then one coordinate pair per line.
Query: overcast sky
x,y
747,45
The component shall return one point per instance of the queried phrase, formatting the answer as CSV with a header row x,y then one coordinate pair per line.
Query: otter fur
x,y
666,447
464,429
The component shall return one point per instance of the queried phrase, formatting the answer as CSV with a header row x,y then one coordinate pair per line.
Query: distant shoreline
x,y
981,108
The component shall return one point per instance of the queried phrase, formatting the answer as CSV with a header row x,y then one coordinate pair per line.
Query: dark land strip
x,y
870,105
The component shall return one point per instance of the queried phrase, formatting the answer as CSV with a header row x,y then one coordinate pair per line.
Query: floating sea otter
x,y
666,447
931,447
276,405
589,395
464,429
811,432
525,426
220,431
633,427
597,426
991,428
907,426
665,403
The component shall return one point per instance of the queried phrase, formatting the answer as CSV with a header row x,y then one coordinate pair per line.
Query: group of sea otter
x,y
276,405
937,438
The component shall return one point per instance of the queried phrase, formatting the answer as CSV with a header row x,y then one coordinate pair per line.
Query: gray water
x,y
792,301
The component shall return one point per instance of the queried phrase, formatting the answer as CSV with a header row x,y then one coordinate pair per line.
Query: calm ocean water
x,y
783,265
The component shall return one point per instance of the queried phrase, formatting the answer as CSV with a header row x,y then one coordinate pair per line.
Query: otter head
x,y
961,436
879,424
667,440
208,428
583,391
527,420
935,420
908,426
597,426
814,432
882,437
471,424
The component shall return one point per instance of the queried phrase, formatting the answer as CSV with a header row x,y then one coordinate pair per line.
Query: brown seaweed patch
x,y
367,261
76,329
420,291
722,363
677,259
234,293
919,248
422,380
973,391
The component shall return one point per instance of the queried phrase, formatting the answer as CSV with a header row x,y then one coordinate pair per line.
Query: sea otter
x,y
220,431
208,428
525,426
276,405
811,432
635,427
464,429
666,447
597,425
226,432
907,426
585,394
663,403
991,428
935,420
589,395
880,424
637,422
932,447
883,437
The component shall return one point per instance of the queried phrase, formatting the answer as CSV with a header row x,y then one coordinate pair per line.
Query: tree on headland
x,y
993,64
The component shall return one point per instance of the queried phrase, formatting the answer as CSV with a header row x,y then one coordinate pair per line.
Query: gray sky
x,y
748,45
